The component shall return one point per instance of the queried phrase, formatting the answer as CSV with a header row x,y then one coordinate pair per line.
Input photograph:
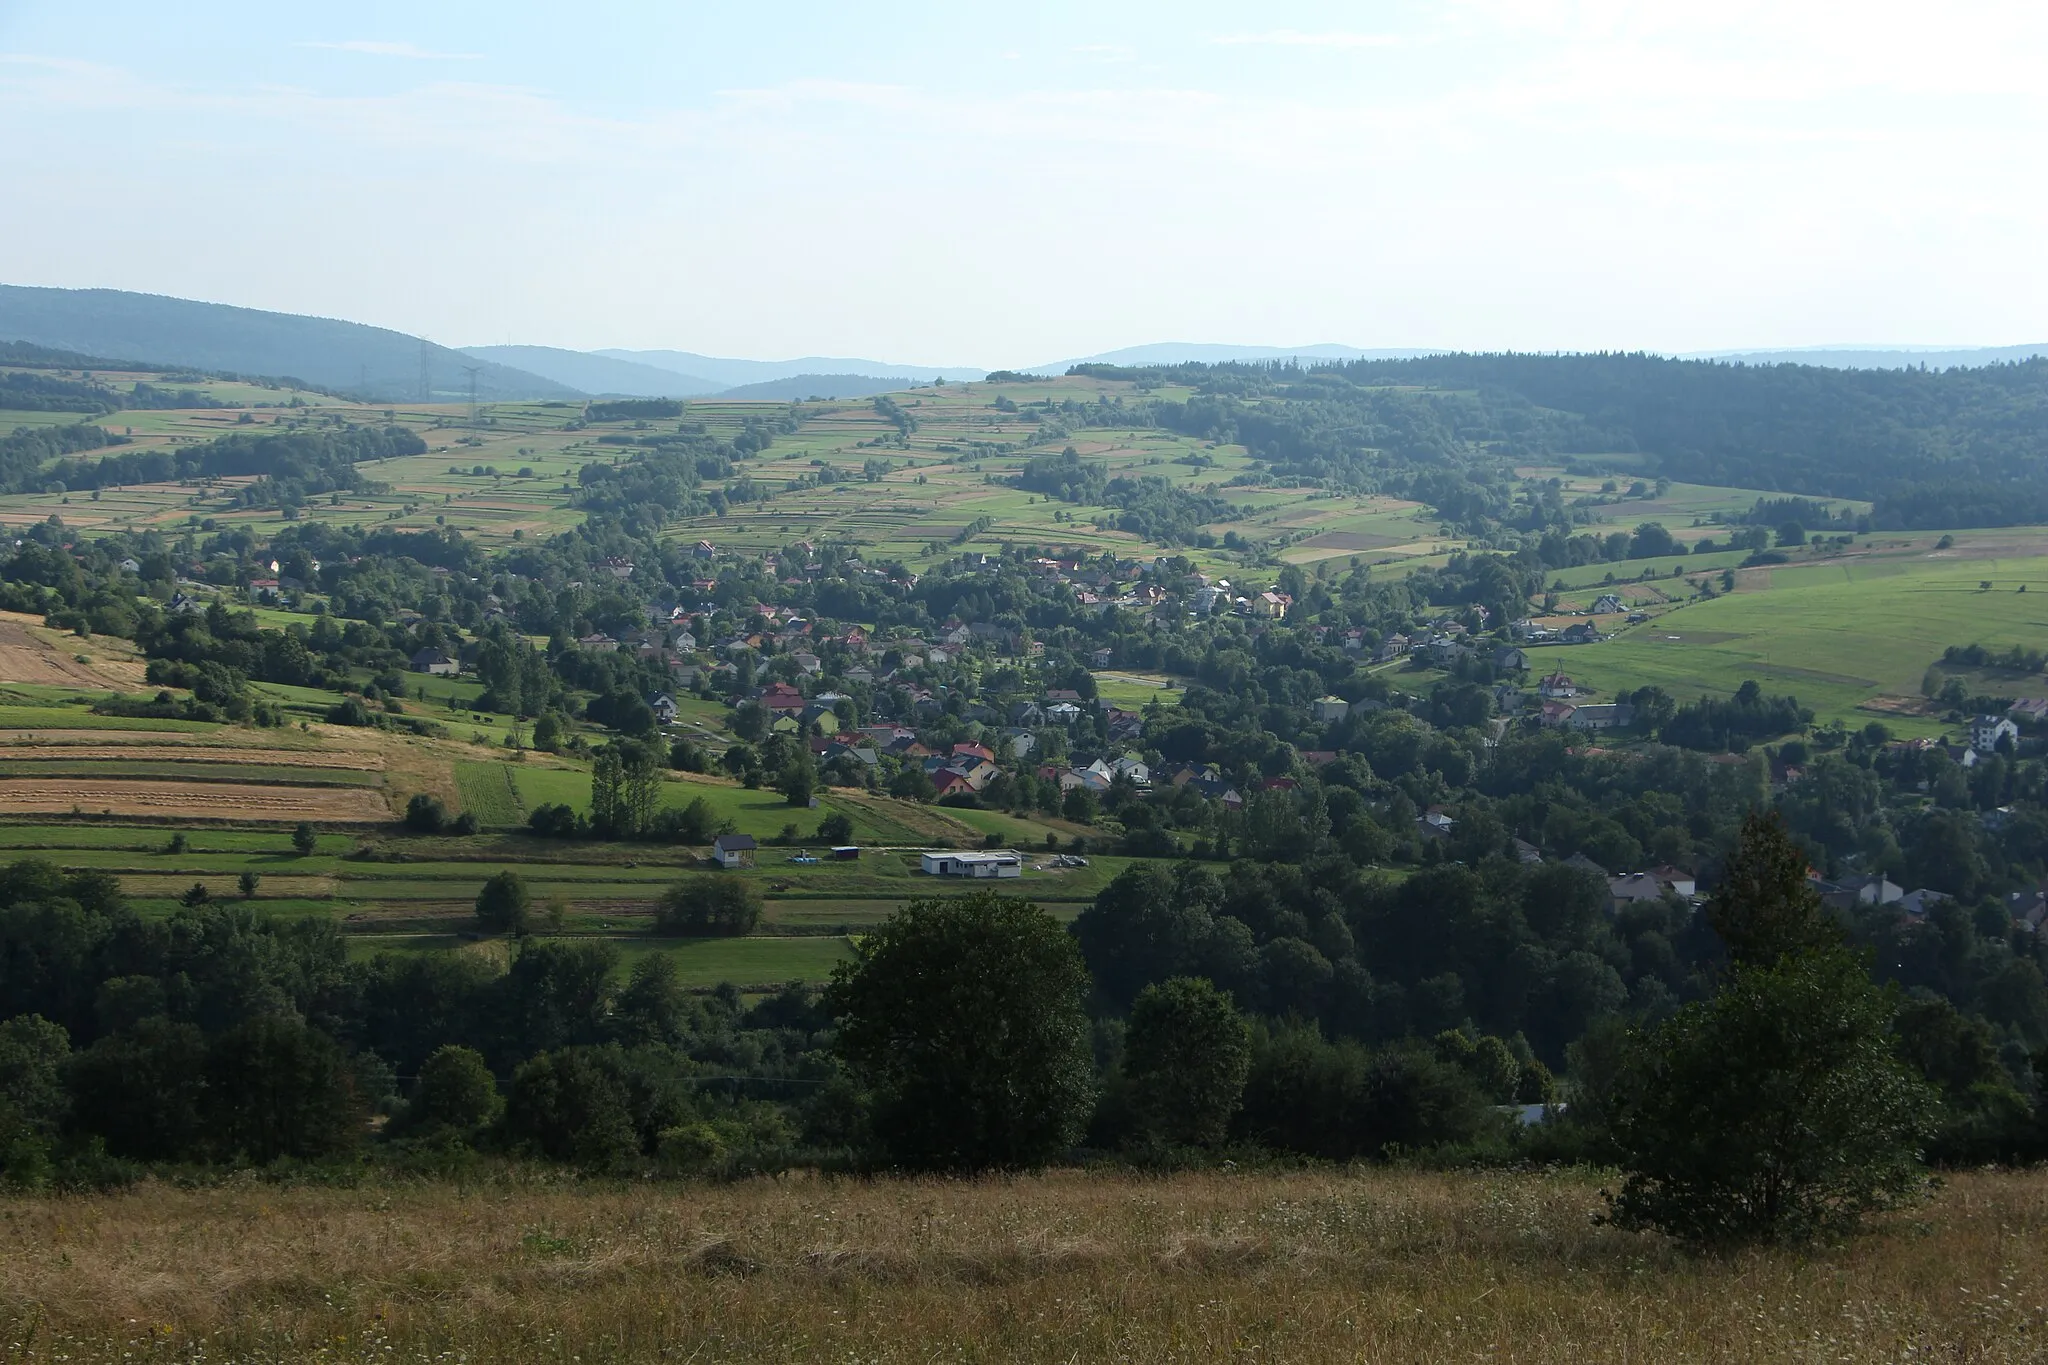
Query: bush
x,y
706,905
554,821
424,814
304,840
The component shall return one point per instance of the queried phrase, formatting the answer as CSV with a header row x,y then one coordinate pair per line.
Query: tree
x,y
1777,1110
424,814
798,778
33,1103
566,1106
1186,1054
456,1090
625,789
195,896
1764,907
304,840
547,732
503,904
836,828
705,905
964,1018
248,882
276,1088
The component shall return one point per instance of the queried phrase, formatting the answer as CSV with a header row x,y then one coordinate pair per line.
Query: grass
x,y
490,793
1315,1265
1835,633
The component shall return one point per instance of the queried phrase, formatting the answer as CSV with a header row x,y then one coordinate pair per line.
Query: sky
x,y
1010,185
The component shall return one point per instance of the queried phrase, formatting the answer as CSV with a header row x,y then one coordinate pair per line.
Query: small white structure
x,y
999,863
734,850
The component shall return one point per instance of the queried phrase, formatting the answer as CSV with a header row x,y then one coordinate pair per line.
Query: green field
x,y
1837,634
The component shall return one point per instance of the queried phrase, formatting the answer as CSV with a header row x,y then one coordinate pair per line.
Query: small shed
x,y
734,850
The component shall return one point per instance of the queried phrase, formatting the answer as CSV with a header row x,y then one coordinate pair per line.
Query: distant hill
x,y
801,386
1206,353
1878,358
728,373
346,357
597,374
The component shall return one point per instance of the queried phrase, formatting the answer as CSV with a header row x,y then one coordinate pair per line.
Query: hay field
x,y
192,800
1320,1265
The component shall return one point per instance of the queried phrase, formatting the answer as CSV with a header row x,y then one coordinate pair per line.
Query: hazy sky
x,y
1011,184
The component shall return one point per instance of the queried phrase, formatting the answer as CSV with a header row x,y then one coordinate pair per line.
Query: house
x,y
1135,769
1272,605
1557,685
1330,708
734,850
1585,864
598,642
1986,731
1063,713
1606,604
973,751
131,566
705,550
664,708
435,662
1435,823
1920,902
1555,713
1391,648
2031,709
1100,658
1581,633
1526,853
1001,863
945,781
1026,713
1677,882
781,697
1633,887
1601,716
1509,659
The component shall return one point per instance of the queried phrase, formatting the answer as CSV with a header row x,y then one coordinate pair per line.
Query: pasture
x,y
1849,636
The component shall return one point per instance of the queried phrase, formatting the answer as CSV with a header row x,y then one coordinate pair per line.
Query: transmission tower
x,y
426,373
471,371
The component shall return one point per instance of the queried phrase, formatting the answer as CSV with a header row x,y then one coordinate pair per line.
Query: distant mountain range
x,y
346,357
389,366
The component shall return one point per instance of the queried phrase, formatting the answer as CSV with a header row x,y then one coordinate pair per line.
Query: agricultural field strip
x,y
37,768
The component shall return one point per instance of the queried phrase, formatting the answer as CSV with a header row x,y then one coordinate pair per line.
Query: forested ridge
x,y
1929,448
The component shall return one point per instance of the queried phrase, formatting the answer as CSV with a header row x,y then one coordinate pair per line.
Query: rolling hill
x,y
593,373
729,373
350,357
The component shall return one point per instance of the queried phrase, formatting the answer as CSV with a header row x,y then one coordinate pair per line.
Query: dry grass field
x,y
194,800
1069,1266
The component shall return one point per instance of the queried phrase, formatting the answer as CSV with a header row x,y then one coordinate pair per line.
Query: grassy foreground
x,y
1322,1265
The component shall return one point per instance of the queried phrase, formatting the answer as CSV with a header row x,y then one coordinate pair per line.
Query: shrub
x,y
424,814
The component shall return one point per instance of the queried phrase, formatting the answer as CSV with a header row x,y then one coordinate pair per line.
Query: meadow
x,y
1316,1265
1852,636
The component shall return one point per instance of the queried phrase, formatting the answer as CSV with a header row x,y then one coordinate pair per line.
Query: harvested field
x,y
26,658
193,800
195,753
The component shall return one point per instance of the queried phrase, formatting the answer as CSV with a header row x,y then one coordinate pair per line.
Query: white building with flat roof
x,y
997,863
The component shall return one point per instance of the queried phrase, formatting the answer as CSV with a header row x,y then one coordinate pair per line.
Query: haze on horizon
x,y
942,186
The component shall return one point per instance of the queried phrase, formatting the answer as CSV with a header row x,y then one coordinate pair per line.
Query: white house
x,y
1001,863
434,661
734,850
1331,708
1063,713
664,707
1986,731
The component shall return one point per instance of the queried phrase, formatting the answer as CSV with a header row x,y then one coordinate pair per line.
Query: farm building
x,y
734,850
435,662
1001,863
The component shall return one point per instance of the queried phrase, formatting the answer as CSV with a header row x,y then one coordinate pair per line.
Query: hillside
x,y
597,374
727,372
373,361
